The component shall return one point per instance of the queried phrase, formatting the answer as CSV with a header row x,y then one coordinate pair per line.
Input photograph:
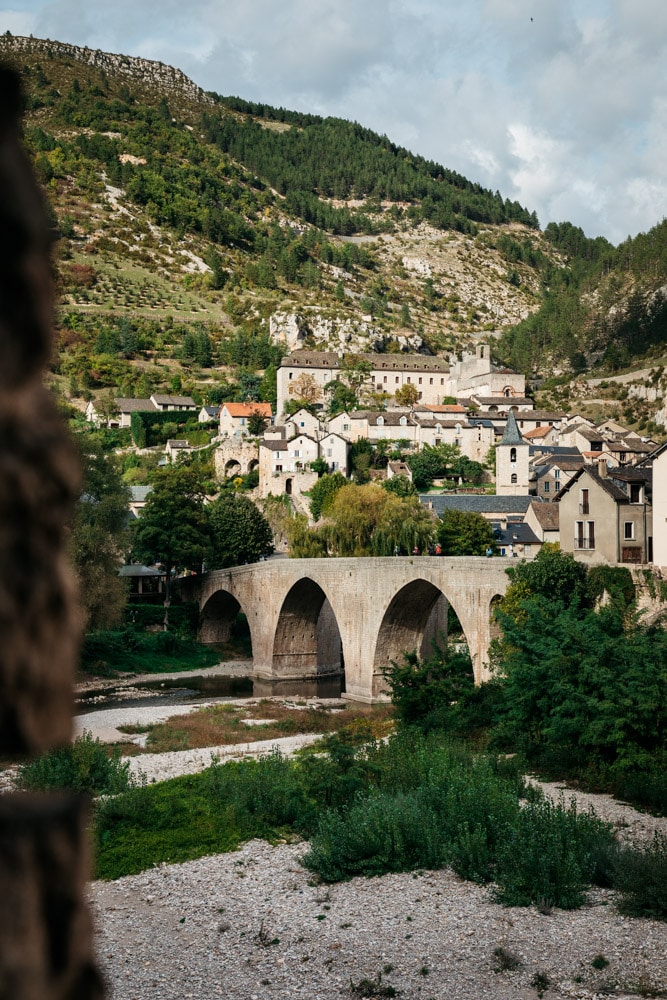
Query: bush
x,y
85,766
549,856
422,687
641,877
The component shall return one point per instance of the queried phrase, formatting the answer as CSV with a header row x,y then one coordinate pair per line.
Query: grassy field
x,y
226,724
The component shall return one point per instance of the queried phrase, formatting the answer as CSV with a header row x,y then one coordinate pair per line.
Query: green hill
x,y
188,219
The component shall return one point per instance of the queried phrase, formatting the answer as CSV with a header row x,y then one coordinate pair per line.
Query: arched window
x,y
514,480
380,421
512,454
403,421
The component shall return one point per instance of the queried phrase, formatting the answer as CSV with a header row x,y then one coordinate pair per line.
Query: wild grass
x,y
407,803
219,725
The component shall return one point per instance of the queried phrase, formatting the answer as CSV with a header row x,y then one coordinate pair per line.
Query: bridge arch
x,y
307,638
219,617
414,618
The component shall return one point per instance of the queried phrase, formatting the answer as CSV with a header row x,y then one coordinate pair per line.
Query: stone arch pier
x,y
308,616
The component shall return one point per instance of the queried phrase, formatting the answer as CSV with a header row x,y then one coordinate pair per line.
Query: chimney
x,y
603,469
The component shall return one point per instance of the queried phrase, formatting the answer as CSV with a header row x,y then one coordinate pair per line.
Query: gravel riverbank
x,y
251,926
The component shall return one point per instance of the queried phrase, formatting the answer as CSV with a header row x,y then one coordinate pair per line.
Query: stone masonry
x,y
380,606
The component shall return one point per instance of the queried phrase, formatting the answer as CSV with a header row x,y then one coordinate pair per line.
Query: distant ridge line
x,y
133,67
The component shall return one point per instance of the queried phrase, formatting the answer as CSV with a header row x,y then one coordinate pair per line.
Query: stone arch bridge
x,y
308,617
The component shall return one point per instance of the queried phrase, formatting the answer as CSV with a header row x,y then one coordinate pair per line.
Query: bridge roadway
x,y
308,617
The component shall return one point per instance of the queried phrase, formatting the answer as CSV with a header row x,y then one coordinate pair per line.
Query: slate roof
x,y
379,362
637,446
547,515
615,492
512,434
138,494
515,534
135,405
476,503
185,401
135,570
389,418
551,450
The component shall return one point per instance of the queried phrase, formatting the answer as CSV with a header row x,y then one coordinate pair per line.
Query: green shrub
x,y
379,833
641,877
548,856
262,794
422,687
84,766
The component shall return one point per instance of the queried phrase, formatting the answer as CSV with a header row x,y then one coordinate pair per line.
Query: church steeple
x,y
512,461
512,434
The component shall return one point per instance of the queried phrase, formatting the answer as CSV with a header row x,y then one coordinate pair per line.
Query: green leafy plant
x,y
85,766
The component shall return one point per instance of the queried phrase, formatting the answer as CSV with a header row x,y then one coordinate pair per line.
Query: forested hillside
x,y
187,220
606,308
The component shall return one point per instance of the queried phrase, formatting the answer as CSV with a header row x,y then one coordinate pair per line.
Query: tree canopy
x,y
239,531
463,533
173,528
369,521
99,534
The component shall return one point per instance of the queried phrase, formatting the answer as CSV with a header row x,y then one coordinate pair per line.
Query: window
x,y
622,457
584,507
512,454
397,380
635,493
420,381
629,530
430,381
290,374
408,378
384,379
584,534
346,427
380,421
556,474
442,381
514,479
547,488
403,421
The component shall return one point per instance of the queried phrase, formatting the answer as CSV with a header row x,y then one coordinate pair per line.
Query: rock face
x,y
158,74
342,335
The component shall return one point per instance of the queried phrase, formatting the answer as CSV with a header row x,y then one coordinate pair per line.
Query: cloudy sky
x,y
561,104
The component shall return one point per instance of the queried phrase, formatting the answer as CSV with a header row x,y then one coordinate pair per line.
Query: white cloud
x,y
558,103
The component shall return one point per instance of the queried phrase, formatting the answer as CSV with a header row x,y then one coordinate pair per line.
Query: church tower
x,y
512,461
